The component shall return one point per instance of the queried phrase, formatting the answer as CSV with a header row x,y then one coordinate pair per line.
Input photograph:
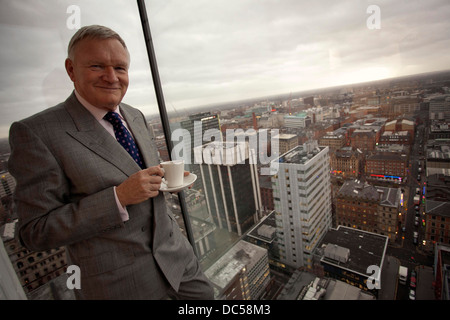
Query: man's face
x,y
99,71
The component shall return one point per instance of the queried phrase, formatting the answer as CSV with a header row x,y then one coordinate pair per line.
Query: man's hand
x,y
140,186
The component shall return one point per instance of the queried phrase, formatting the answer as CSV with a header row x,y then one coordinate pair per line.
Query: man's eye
x,y
121,69
96,67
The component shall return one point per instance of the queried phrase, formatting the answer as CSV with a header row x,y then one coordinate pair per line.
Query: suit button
x,y
143,229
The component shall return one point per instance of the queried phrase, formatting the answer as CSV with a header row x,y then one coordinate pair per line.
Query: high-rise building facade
x,y
302,199
199,129
231,185
196,126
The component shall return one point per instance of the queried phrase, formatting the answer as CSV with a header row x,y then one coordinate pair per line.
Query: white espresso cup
x,y
173,172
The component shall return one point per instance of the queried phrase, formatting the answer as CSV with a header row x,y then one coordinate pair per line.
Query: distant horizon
x,y
311,91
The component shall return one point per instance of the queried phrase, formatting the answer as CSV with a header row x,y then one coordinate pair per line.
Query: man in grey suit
x,y
78,187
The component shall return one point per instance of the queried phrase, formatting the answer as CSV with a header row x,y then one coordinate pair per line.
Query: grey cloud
x,y
214,51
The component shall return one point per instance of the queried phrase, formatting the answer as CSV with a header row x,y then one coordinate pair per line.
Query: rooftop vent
x,y
337,253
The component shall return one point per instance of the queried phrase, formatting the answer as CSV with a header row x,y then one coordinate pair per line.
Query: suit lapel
x,y
94,137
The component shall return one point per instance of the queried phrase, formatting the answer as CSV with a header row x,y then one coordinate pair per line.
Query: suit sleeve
x,y
49,216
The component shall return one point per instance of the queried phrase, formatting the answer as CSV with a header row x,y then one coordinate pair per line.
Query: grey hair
x,y
92,32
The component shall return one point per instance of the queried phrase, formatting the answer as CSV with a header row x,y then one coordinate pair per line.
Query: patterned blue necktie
x,y
124,137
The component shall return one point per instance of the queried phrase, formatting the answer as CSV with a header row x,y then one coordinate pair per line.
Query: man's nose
x,y
109,74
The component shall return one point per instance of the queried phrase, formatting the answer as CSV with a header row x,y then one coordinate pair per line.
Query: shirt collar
x,y
96,112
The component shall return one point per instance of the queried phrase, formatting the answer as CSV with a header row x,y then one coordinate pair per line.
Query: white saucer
x,y
187,181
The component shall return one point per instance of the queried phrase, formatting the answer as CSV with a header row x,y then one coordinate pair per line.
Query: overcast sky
x,y
212,51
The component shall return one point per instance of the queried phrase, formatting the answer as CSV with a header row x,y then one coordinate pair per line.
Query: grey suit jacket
x,y
66,165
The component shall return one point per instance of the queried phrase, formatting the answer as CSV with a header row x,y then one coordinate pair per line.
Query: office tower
x,y
242,273
199,129
302,198
230,184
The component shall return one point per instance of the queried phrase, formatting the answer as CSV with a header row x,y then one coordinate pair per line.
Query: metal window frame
x,y
162,110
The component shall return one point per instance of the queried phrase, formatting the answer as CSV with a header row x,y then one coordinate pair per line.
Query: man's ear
x,y
69,69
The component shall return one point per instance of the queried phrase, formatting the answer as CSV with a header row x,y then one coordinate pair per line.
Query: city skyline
x,y
214,53
362,172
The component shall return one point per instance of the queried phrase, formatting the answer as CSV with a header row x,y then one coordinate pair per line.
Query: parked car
x,y
412,280
416,236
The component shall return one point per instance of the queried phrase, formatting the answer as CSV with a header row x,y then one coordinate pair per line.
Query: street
x,y
409,253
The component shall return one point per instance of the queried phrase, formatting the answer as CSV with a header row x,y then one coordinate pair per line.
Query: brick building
x,y
333,140
437,222
370,208
345,163
399,137
386,166
35,269
364,140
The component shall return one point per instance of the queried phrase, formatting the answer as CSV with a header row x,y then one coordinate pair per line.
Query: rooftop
x,y
387,156
438,126
396,133
354,249
265,230
439,208
286,136
306,286
242,255
359,189
301,154
296,116
439,152
221,153
362,132
345,152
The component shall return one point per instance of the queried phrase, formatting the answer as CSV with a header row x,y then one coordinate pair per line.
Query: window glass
x,y
223,61
215,58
